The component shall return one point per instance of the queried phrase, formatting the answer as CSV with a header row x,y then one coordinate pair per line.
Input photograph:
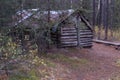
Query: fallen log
x,y
117,45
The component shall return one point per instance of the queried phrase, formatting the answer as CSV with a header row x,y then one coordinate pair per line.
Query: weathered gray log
x,y
69,31
87,23
69,28
69,34
86,33
107,42
88,39
68,37
86,36
68,40
72,42
85,43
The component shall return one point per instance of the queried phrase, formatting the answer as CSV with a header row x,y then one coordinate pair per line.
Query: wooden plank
x,y
86,33
86,36
87,23
69,31
107,42
68,37
69,28
68,34
72,42
68,40
86,41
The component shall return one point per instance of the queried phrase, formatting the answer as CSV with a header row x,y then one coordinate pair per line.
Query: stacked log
x,y
86,38
68,37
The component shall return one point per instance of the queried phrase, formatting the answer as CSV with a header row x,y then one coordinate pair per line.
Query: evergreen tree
x,y
8,8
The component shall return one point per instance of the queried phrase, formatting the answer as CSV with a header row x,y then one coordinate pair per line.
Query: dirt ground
x,y
101,62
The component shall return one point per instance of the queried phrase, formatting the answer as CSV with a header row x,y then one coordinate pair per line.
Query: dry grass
x,y
115,36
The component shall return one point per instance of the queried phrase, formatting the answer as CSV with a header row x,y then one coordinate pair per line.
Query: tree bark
x,y
99,18
111,17
106,19
94,13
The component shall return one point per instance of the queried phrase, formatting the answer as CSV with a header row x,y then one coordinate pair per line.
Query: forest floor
x,y
101,62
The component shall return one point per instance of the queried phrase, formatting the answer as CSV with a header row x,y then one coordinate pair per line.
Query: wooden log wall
x,y
68,37
86,38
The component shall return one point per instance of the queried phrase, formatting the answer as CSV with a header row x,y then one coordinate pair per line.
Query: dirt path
x,y
103,62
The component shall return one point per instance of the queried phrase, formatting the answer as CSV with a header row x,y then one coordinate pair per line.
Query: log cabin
x,y
72,31
69,30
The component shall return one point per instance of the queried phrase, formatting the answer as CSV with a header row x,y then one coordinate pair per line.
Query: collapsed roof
x,y
37,13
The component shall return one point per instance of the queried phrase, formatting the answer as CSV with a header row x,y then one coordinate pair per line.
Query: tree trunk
x,y
94,13
99,18
111,18
106,20
48,11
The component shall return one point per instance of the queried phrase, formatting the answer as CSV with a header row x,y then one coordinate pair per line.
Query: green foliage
x,y
8,8
8,49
